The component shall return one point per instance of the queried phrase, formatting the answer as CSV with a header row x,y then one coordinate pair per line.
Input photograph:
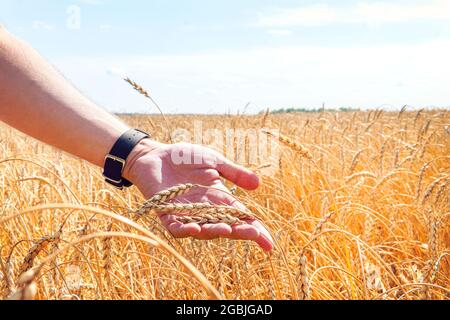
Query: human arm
x,y
37,100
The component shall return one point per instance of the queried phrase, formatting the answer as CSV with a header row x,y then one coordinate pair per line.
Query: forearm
x,y
37,100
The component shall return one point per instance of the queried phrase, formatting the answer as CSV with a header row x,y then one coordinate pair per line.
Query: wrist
x,y
143,148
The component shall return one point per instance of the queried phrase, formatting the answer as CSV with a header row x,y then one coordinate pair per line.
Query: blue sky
x,y
216,56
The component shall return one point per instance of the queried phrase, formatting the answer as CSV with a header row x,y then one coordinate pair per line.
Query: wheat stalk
x,y
145,93
361,174
402,110
264,117
403,257
417,116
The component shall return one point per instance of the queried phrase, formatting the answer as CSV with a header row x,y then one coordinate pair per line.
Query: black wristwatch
x,y
116,159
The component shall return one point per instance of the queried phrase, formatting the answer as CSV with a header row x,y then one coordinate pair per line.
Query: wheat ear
x,y
200,213
304,152
7,284
319,227
419,183
431,187
355,160
165,195
34,251
303,282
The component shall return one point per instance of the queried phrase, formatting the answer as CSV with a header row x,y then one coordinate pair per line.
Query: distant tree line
x,y
293,110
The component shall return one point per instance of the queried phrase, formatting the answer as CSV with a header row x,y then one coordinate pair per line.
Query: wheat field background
x,y
358,206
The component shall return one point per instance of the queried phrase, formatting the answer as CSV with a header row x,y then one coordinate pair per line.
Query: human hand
x,y
153,167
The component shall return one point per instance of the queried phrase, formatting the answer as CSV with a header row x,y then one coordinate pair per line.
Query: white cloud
x,y
392,75
372,13
280,32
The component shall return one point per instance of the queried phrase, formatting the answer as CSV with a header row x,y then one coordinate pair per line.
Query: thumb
x,y
237,174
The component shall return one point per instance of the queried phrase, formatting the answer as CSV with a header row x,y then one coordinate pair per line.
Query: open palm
x,y
159,167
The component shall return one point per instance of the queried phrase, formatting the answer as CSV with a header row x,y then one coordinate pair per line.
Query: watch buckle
x,y
117,159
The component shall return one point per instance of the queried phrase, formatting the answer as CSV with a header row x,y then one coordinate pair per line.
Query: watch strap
x,y
116,159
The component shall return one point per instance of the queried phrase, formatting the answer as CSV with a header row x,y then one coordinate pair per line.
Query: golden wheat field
x,y
358,206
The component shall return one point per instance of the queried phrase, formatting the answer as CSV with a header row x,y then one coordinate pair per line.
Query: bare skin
x,y
39,101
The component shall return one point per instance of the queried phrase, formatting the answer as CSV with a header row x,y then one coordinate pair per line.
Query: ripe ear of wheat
x,y
200,213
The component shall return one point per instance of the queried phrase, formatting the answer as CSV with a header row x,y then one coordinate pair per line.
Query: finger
x,y
264,243
253,230
244,232
264,240
212,231
262,237
237,174
177,229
